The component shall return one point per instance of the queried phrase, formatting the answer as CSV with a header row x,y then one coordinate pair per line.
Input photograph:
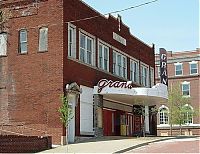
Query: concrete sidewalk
x,y
107,145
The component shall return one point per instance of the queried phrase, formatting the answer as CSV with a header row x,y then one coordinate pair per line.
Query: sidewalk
x,y
107,145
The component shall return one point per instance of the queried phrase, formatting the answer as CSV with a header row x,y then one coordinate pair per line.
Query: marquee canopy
x,y
124,92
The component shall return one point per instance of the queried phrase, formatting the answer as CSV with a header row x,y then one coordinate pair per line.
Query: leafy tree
x,y
177,107
66,114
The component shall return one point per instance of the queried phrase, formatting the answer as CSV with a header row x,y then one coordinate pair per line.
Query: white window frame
x,y
119,65
41,49
158,69
143,78
193,62
92,39
187,114
185,83
176,64
151,82
23,42
134,72
72,41
165,122
3,44
104,46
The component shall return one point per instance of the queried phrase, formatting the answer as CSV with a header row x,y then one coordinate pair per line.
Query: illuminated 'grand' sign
x,y
103,83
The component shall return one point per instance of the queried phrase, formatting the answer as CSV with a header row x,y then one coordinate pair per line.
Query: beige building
x,y
183,68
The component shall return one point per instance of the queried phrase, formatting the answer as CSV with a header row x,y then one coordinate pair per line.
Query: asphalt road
x,y
187,145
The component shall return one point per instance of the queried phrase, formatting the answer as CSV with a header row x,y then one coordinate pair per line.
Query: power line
x,y
88,18
132,7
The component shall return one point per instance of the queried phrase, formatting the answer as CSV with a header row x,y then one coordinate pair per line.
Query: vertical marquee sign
x,y
163,66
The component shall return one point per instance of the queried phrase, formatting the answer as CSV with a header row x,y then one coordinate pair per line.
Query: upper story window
x,y
144,75
71,41
86,54
43,39
119,64
193,67
164,115
3,44
134,71
158,68
23,41
178,69
186,88
103,57
151,77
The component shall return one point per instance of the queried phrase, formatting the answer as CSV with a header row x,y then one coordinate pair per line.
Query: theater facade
x,y
57,48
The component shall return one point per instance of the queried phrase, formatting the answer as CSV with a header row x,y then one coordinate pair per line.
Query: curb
x,y
143,144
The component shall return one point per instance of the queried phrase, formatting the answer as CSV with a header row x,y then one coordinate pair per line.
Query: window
x,y
103,57
187,112
193,68
119,64
164,115
86,49
71,41
178,69
114,63
144,75
23,41
151,77
43,39
158,71
3,44
134,71
186,88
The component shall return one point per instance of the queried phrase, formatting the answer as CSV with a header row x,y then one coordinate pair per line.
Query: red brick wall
x,y
193,79
24,144
34,81
103,29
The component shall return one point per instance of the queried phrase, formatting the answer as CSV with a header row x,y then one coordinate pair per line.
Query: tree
x,y
66,114
177,107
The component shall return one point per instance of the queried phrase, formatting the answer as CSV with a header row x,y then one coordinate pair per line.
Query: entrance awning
x,y
124,93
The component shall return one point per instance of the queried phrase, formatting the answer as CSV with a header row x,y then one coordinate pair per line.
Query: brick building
x,y
46,50
183,69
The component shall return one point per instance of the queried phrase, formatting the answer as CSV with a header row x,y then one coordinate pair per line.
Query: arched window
x,y
164,115
187,114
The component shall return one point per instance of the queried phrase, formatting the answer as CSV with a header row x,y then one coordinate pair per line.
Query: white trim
x,y
74,39
114,101
185,83
163,106
189,106
181,69
193,62
109,109
3,44
103,42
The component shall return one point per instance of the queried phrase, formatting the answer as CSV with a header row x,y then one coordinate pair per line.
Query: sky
x,y
169,24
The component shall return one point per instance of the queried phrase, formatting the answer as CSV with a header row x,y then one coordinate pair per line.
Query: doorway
x,y
71,126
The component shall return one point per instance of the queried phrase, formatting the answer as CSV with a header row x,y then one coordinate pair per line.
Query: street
x,y
182,145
